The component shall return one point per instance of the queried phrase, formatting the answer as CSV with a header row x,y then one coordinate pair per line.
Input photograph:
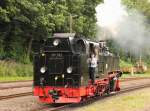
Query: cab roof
x,y
64,35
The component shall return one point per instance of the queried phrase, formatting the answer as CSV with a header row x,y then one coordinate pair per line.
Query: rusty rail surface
x,y
16,95
12,87
134,78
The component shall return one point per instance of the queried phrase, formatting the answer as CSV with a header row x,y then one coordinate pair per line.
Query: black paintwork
x,y
70,52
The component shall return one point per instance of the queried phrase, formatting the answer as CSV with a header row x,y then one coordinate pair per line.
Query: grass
x,y
133,101
2,79
13,71
10,70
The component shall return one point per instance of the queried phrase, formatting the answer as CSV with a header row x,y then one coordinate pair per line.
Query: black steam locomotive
x,y
61,73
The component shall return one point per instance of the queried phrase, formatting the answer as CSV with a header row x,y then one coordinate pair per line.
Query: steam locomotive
x,y
61,73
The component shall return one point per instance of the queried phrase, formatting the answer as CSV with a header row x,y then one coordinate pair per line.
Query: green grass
x,y
10,70
2,79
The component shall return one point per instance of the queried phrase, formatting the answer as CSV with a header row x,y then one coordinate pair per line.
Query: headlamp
x,y
69,70
56,42
43,54
63,76
43,69
56,78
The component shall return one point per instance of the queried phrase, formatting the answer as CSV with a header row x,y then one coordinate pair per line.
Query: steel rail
x,y
134,78
15,95
94,99
12,87
125,90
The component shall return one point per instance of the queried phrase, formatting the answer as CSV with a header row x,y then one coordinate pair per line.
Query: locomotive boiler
x,y
61,73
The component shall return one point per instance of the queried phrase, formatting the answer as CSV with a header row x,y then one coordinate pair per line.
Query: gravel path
x,y
147,108
15,91
133,83
10,91
20,104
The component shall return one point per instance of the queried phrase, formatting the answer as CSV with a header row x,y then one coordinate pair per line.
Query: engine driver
x,y
92,63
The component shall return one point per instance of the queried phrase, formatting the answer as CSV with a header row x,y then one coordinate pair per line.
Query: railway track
x,y
50,108
16,84
91,100
15,95
12,87
134,78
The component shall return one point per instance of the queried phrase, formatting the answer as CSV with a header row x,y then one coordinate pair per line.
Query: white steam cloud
x,y
127,28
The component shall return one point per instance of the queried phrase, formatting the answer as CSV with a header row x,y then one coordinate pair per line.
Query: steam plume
x,y
127,28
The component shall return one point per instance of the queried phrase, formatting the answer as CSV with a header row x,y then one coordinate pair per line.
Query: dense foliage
x,y
21,21
142,6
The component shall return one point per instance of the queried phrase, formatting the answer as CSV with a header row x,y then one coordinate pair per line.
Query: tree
x,y
142,6
21,21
